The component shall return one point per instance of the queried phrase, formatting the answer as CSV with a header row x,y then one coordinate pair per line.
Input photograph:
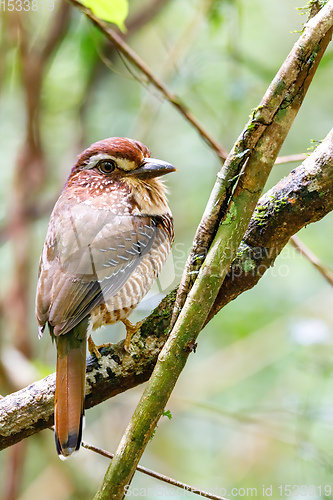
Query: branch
x,y
315,261
30,410
249,163
124,49
305,196
290,158
281,212
116,38
144,16
157,475
103,57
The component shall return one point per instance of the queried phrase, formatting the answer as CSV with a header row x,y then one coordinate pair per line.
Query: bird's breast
x,y
120,305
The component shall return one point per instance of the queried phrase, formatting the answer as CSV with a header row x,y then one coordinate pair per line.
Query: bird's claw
x,y
130,331
93,349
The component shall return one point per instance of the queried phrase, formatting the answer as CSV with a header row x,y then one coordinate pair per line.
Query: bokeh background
x,y
254,405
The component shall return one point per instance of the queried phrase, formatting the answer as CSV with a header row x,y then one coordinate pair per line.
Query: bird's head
x,y
118,165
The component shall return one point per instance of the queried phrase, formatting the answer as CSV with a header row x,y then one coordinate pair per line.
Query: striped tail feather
x,y
70,384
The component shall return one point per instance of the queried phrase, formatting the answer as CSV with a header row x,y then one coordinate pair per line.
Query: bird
x,y
108,237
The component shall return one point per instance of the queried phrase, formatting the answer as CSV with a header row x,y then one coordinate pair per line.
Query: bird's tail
x,y
69,395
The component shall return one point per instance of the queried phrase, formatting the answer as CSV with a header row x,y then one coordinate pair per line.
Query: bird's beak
x,y
151,167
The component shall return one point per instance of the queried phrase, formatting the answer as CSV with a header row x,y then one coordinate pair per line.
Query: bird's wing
x,y
85,264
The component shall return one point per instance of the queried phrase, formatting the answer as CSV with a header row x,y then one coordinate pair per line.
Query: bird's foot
x,y
94,349
130,331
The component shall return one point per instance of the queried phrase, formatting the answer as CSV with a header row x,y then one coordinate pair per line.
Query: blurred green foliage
x,y
254,405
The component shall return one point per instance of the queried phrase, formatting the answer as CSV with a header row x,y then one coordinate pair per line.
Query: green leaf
x,y
112,11
168,414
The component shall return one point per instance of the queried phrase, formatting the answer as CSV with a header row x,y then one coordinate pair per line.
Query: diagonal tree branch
x,y
248,164
305,196
124,49
277,217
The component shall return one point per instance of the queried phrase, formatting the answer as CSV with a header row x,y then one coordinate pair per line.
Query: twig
x,y
98,65
151,473
290,158
173,61
161,477
117,39
304,250
124,49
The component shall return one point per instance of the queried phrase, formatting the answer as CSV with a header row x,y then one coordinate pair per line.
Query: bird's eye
x,y
106,166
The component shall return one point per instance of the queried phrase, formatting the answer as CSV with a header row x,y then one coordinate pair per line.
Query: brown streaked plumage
x,y
109,235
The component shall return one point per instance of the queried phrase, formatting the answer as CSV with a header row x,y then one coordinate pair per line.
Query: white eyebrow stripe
x,y
122,163
96,158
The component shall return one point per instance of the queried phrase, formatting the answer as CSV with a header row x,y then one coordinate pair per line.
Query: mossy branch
x,y
254,153
305,196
